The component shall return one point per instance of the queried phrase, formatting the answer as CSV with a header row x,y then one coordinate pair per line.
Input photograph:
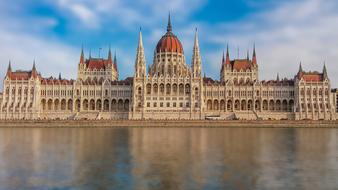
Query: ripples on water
x,y
164,158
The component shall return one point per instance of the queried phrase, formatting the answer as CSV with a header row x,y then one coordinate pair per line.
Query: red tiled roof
x,y
97,64
51,81
311,76
169,43
210,81
22,75
241,64
284,82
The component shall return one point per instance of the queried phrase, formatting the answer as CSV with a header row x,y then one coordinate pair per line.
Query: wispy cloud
x,y
304,31
285,33
94,13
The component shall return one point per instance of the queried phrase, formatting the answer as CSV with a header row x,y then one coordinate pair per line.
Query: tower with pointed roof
x,y
325,76
140,62
196,62
239,70
97,69
9,68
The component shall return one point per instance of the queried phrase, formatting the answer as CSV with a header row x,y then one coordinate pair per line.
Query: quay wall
x,y
166,123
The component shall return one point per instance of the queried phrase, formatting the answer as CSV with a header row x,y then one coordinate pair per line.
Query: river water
x,y
168,158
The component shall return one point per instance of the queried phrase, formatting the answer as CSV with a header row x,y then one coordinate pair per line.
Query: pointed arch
x,y
70,104
106,105
63,104
229,105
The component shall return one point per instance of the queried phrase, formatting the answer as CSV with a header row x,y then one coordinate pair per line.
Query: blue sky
x,y
285,32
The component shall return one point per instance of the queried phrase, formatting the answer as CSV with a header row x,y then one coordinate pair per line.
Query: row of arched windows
x,y
243,105
168,89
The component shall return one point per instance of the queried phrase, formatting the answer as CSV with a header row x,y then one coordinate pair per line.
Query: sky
x,y
287,32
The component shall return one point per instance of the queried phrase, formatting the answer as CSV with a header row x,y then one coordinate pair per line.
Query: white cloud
x,y
93,13
304,31
82,11
51,57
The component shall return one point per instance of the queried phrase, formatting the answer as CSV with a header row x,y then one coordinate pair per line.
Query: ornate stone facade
x,y
170,89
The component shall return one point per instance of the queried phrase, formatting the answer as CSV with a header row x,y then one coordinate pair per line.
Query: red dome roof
x,y
169,42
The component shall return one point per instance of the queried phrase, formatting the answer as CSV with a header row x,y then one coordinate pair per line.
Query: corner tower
x,y
239,70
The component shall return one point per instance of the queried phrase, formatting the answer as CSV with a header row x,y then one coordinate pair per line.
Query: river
x,y
168,158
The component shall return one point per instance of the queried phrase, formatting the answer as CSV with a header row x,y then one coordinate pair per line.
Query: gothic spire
x,y
277,76
82,56
196,59
60,76
223,58
325,76
109,56
34,72
227,59
169,27
254,59
196,44
115,60
247,55
140,40
34,69
140,62
300,67
9,69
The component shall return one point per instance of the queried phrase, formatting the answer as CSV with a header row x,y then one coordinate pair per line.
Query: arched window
x,y
174,88
148,88
187,89
161,88
181,89
155,87
168,89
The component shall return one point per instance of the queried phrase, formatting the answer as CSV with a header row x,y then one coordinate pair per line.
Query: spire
x,y
169,27
227,59
34,72
247,55
196,44
115,60
196,59
254,59
223,58
90,53
34,69
300,67
9,69
82,56
109,56
140,40
325,76
277,76
140,62
60,76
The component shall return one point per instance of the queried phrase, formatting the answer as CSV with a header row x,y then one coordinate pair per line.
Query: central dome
x,y
169,42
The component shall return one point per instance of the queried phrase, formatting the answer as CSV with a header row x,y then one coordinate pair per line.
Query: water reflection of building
x,y
195,158
170,89
297,159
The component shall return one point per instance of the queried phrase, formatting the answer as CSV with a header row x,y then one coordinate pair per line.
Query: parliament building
x,y
168,89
